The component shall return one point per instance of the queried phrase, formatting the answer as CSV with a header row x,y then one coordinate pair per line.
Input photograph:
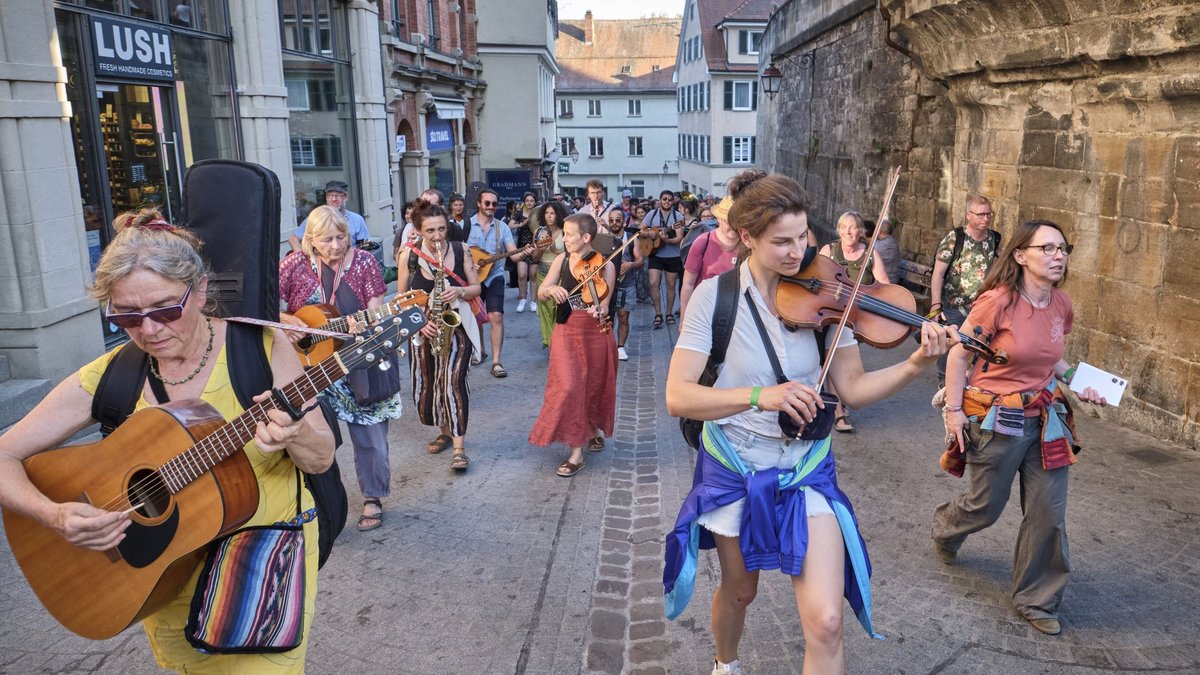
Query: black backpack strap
x,y
248,365
724,316
959,235
120,387
995,235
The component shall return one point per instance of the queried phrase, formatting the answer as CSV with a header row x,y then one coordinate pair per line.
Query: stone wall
x,y
1083,112
851,108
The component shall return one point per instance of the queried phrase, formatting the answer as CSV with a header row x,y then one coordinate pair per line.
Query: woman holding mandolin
x,y
581,383
439,365
795,515
153,284
331,272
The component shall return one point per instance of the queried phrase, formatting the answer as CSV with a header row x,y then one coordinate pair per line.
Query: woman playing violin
x,y
743,436
581,383
1014,419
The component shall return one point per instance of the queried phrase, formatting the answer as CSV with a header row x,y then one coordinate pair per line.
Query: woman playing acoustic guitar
x,y
153,283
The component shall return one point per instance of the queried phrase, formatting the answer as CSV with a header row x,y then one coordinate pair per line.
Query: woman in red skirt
x,y
581,384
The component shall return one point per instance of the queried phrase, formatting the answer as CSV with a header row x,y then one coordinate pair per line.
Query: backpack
x,y
960,236
121,385
698,230
723,318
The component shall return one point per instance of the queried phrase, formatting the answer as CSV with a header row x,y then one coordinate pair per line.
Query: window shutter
x,y
742,38
753,149
754,95
729,94
727,150
707,95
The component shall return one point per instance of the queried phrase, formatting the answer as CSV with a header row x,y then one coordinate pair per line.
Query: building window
x,y
319,153
638,188
566,145
635,146
654,68
297,92
593,107
739,150
625,70
566,107
635,107
596,146
749,41
741,95
433,26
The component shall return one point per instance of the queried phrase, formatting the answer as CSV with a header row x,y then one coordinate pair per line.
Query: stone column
x,y
48,324
370,111
262,94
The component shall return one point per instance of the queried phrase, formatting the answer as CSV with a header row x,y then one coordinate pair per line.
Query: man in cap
x,y
336,195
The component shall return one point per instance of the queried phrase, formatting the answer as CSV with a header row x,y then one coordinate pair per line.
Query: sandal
x,y
498,370
370,521
438,444
671,319
568,469
459,460
842,424
596,444
657,321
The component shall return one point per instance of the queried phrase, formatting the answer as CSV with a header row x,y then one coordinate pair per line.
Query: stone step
x,y
5,369
18,397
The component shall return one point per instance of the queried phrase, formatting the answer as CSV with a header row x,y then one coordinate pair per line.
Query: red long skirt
x,y
581,384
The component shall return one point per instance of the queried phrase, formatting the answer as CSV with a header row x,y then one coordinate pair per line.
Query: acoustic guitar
x,y
649,239
484,260
178,469
314,349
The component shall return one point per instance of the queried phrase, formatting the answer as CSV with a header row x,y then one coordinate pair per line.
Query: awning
x,y
450,110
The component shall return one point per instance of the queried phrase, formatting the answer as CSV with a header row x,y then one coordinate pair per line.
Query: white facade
x,y
717,100
637,132
516,45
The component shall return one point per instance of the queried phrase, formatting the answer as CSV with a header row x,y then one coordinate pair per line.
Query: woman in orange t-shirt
x,y
1025,314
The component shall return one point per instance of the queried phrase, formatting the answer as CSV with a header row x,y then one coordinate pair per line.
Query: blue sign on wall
x,y
438,135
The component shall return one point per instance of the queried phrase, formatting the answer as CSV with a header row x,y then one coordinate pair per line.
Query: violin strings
x,y
881,307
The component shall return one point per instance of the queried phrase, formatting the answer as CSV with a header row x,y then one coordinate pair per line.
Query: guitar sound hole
x,y
149,494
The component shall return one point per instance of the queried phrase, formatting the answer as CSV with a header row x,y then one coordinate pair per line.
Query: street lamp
x,y
573,154
771,79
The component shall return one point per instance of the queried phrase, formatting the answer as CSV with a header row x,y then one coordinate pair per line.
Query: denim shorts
x,y
759,453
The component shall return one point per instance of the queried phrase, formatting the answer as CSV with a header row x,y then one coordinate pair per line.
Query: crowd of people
x,y
765,494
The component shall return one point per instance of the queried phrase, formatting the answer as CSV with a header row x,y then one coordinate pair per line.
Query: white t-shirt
x,y
746,363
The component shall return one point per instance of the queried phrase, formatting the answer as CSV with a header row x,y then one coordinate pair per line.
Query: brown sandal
x,y
568,469
459,461
596,444
438,444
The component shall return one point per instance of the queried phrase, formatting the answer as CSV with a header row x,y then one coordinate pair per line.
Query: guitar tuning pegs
x,y
401,351
385,366
370,358
378,330
388,344
404,332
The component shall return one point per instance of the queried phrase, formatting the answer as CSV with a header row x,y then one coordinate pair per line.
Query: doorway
x,y
137,131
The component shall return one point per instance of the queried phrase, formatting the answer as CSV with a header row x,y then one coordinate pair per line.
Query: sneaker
x,y
734,668
1047,625
521,305
622,355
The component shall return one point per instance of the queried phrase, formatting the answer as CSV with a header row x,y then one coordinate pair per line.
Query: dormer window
x,y
749,41
625,70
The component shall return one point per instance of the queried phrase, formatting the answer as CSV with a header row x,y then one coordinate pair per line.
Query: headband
x,y
158,224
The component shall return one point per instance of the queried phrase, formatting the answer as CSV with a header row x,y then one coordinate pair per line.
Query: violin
x,y
594,288
883,316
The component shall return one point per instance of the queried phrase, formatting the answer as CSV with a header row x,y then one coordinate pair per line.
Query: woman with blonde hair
x,y
153,283
333,272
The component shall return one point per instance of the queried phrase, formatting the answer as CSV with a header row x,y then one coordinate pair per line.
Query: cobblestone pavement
x,y
510,569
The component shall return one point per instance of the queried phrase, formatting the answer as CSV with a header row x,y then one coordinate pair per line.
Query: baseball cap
x,y
721,208
626,193
337,186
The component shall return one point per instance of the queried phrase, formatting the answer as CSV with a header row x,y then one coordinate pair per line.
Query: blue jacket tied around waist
x,y
774,528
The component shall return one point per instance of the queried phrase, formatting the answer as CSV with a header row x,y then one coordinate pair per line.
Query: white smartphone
x,y
1110,386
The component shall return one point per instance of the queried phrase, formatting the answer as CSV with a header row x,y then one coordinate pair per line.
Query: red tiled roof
x,y
640,44
712,13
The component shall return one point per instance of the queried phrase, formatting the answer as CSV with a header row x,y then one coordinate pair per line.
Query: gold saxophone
x,y
447,319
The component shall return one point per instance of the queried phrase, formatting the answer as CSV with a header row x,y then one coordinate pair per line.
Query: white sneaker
x,y
622,355
734,668
521,306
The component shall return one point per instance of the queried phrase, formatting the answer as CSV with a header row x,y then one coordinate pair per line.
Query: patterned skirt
x,y
581,384
439,383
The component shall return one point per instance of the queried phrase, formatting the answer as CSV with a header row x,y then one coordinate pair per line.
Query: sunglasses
x,y
488,203
160,315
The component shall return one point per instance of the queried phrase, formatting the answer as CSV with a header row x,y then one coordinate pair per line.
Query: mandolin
x,y
313,349
178,469
484,260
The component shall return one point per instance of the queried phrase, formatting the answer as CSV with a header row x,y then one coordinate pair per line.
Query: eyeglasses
x,y
1050,249
488,203
160,315
985,214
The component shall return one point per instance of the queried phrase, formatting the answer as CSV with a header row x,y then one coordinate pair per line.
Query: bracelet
x,y
1069,375
754,397
951,408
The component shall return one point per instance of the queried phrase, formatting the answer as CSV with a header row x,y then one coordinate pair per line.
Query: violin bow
x,y
868,260
600,267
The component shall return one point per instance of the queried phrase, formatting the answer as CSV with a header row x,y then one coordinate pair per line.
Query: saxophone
x,y
447,319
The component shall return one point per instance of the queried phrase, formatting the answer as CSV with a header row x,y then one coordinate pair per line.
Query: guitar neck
x,y
194,462
341,324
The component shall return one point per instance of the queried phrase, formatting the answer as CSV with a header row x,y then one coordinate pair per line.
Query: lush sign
x,y
131,51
